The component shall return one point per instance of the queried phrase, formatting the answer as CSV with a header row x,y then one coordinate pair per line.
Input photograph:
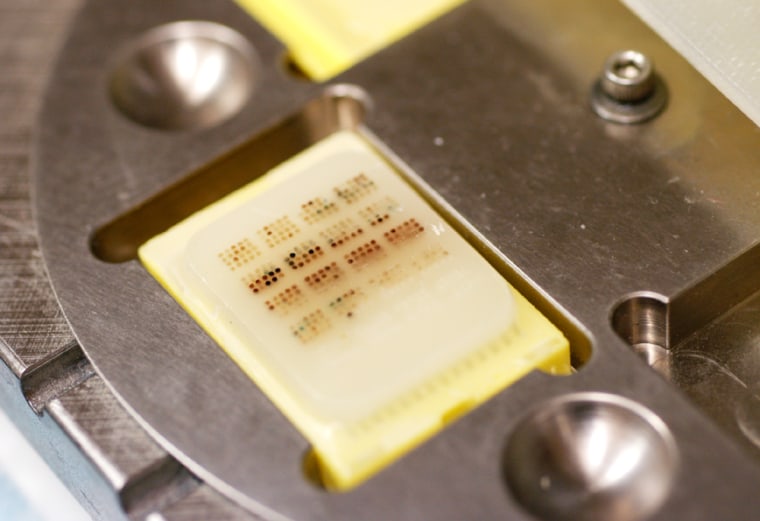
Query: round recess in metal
x,y
184,75
590,456
628,90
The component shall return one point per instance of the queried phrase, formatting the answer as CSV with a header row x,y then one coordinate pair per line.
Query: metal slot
x,y
340,107
706,341
55,376
143,476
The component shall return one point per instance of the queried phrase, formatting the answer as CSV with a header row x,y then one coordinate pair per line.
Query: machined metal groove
x,y
55,376
694,339
144,476
160,486
650,320
203,503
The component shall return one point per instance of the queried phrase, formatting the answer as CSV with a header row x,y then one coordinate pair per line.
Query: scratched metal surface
x,y
32,327
31,323
595,212
88,414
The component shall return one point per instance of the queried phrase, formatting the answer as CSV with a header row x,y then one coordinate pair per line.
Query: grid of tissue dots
x,y
317,250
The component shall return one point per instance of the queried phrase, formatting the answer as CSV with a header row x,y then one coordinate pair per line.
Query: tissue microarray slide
x,y
352,304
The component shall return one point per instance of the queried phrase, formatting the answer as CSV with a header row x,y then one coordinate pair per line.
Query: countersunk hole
x,y
184,75
590,457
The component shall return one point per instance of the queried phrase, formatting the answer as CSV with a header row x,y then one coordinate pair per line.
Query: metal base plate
x,y
487,109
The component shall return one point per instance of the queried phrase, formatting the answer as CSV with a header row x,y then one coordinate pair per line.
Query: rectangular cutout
x,y
339,108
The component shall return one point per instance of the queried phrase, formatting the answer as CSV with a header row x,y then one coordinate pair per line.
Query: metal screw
x,y
629,90
628,76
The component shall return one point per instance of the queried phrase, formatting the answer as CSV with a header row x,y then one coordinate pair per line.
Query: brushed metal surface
x,y
35,340
32,327
487,110
59,374
94,420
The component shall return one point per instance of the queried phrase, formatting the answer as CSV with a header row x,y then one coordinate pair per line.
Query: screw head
x,y
628,90
628,76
